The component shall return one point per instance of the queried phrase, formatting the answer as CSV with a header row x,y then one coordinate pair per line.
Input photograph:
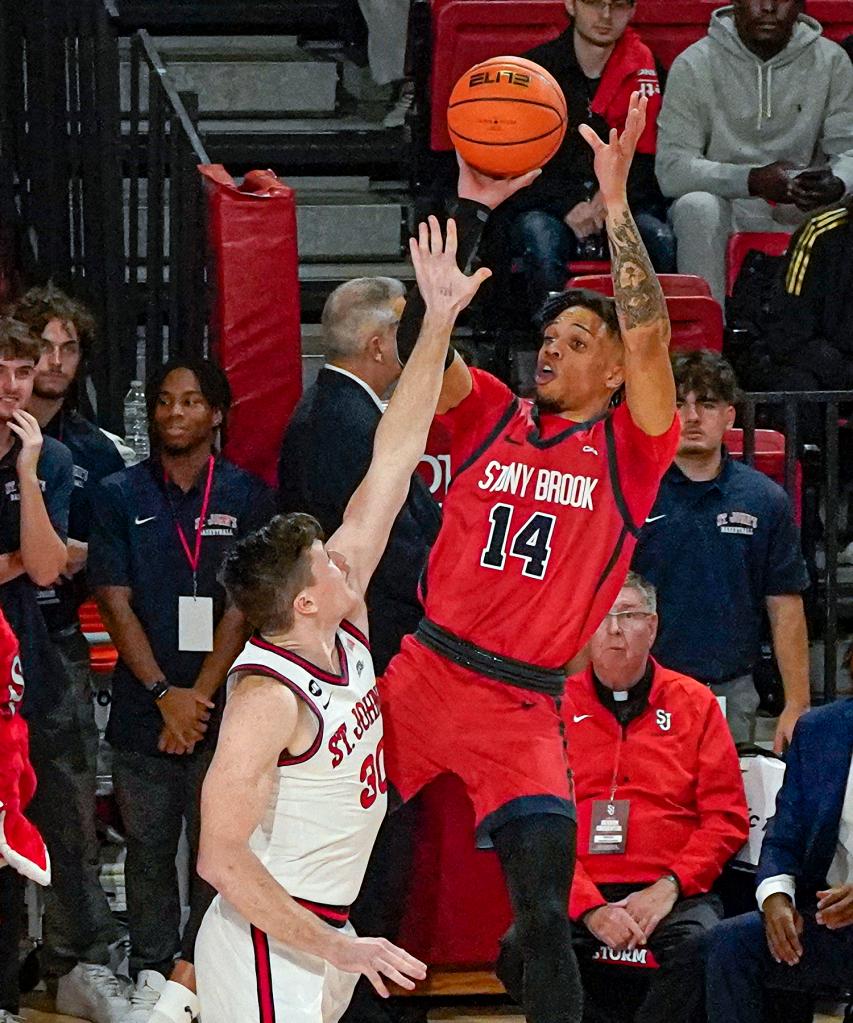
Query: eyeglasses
x,y
614,5
623,618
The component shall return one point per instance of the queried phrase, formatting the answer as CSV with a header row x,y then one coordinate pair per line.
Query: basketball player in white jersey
x,y
297,789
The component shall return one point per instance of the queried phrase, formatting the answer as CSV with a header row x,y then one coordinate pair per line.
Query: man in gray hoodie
x,y
756,129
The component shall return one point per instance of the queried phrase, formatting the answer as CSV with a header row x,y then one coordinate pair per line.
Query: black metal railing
x,y
812,476
76,162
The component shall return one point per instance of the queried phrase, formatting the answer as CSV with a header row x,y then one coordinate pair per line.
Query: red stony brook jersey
x,y
540,521
327,804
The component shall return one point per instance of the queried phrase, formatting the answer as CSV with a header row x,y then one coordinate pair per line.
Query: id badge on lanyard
x,y
195,613
608,823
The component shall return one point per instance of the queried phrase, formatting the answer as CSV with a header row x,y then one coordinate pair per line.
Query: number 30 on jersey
x,y
531,543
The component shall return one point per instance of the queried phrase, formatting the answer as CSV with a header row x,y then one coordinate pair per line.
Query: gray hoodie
x,y
726,111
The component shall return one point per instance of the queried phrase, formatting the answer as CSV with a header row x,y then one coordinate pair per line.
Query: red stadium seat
x,y
102,654
697,322
769,459
465,32
672,284
774,243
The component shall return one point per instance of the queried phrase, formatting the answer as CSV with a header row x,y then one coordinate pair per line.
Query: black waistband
x,y
502,669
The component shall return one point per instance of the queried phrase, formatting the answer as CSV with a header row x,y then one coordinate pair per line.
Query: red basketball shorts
x,y
505,743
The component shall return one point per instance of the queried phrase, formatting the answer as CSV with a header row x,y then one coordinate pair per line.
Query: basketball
x,y
506,116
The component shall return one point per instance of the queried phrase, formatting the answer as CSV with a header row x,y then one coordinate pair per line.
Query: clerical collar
x,y
633,702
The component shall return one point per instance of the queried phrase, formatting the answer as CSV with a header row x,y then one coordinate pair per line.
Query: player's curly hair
x,y
601,305
38,306
264,571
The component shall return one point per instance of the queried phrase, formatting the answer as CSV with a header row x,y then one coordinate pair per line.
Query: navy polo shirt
x,y
715,550
134,542
95,457
43,671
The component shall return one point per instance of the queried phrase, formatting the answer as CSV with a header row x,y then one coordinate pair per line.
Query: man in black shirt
x,y
160,531
80,926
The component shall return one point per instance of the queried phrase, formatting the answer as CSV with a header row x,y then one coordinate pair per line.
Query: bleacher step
x,y
341,225
255,76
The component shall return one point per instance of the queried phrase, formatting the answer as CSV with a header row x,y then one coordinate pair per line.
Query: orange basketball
x,y
506,116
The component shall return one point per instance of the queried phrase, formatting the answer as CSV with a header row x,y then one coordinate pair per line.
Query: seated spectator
x,y
660,808
722,548
159,534
598,61
807,340
802,938
756,130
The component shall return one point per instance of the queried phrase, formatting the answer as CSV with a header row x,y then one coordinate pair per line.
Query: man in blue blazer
x,y
802,938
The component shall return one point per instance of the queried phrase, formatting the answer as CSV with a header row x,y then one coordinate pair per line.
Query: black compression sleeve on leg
x,y
470,220
537,856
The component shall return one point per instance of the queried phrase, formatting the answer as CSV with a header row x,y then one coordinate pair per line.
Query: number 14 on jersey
x,y
531,543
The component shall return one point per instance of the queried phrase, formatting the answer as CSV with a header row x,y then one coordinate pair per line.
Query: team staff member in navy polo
x,y
79,919
159,534
721,546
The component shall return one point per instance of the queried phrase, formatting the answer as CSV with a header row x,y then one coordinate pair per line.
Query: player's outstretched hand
x,y
490,192
613,158
377,958
443,286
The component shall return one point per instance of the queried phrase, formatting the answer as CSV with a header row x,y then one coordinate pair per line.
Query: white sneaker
x,y
144,996
177,1005
7,1017
91,992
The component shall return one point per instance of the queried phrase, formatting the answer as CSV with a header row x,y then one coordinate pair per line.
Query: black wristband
x,y
158,689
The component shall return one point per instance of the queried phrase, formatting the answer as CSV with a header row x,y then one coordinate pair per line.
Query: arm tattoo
x,y
639,299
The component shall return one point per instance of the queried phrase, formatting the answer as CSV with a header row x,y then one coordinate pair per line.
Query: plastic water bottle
x,y
136,421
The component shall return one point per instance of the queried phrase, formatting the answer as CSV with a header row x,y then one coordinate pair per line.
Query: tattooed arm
x,y
643,319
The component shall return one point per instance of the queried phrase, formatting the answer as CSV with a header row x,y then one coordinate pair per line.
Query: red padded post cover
x,y
256,314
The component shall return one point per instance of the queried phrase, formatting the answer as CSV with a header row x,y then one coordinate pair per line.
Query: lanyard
x,y
194,556
614,780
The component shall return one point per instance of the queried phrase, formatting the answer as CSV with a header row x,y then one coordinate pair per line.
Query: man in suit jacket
x,y
803,937
329,442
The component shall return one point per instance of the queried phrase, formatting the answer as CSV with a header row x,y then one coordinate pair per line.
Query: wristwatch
x,y
671,877
158,689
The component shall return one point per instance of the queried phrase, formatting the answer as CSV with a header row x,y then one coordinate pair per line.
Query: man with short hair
x,y
78,915
298,788
329,442
537,532
598,62
722,549
160,531
802,937
661,809
756,130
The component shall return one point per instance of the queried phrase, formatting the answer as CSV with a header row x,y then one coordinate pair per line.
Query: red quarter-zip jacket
x,y
677,765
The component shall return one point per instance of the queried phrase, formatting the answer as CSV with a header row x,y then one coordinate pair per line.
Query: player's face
x,y
704,421
16,386
330,590
183,418
601,24
59,362
620,646
579,365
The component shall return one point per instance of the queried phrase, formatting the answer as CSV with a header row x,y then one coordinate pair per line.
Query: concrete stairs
x,y
314,117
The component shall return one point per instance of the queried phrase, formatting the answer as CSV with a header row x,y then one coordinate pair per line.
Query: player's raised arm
x,y
401,436
643,319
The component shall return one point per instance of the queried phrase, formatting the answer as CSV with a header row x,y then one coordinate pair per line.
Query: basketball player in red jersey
x,y
539,524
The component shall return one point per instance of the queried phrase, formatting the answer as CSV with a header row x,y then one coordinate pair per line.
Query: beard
x,y
51,388
548,406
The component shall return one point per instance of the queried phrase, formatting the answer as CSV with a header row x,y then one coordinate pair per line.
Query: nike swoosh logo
x,y
580,717
141,522
655,518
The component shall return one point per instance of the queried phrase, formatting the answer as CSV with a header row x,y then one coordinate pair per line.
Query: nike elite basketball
x,y
506,116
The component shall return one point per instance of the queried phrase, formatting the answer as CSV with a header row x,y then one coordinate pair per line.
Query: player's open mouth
x,y
544,374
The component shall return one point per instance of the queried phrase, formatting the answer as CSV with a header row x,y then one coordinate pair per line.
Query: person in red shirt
x,y
539,523
661,808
